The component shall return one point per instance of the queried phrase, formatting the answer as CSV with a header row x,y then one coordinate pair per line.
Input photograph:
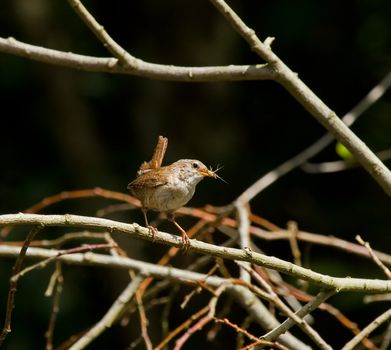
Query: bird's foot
x,y
185,237
185,241
152,230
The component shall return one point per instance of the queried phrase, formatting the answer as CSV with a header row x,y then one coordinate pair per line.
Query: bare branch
x,y
56,283
339,165
324,240
368,330
135,230
261,315
246,298
108,42
300,159
387,338
306,309
14,281
377,261
243,292
181,327
270,295
312,103
243,213
293,230
143,69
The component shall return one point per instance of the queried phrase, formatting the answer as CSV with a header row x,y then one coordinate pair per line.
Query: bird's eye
x,y
195,165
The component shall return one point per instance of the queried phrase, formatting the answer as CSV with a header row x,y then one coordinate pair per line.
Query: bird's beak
x,y
208,173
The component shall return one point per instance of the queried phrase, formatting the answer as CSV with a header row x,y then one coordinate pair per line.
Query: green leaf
x,y
343,152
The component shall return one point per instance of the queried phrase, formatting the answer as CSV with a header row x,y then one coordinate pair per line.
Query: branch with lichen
x,y
135,230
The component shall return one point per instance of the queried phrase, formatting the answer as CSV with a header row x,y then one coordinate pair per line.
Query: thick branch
x,y
312,103
135,230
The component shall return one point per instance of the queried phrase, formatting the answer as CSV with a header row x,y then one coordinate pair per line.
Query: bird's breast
x,y
168,197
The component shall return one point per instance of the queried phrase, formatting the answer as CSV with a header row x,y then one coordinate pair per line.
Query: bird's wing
x,y
147,181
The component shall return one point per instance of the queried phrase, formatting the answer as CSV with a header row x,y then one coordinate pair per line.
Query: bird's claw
x,y
185,242
152,230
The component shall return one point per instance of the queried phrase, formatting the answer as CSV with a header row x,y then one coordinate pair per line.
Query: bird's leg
x,y
185,237
152,230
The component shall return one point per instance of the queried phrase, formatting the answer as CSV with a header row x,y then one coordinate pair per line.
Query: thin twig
x,y
238,329
201,284
166,313
181,327
240,337
256,341
386,338
206,319
13,282
67,195
293,230
306,309
67,238
323,240
59,281
346,322
108,42
377,261
43,263
261,342
143,322
225,311
367,330
340,165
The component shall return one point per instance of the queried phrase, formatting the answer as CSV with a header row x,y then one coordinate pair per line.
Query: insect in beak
x,y
213,173
207,173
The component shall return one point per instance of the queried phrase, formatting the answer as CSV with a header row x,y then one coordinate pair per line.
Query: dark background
x,y
64,129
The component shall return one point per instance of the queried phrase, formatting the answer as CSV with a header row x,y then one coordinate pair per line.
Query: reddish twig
x,y
293,230
201,285
256,219
203,321
196,327
43,263
143,321
252,346
14,282
256,340
181,327
172,252
66,195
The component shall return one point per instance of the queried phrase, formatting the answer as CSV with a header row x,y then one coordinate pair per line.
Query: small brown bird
x,y
168,188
